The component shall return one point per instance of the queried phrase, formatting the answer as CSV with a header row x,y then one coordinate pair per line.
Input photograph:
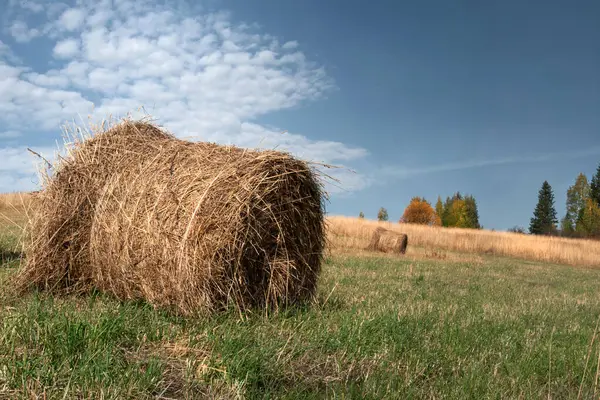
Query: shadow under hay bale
x,y
387,241
7,256
194,227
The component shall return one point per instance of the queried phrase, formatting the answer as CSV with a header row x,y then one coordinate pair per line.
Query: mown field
x,y
435,323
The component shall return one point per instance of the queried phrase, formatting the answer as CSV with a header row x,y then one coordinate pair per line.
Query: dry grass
x,y
196,227
13,207
353,233
8,201
13,217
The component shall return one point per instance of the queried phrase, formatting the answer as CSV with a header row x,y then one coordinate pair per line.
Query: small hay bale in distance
x,y
387,241
191,226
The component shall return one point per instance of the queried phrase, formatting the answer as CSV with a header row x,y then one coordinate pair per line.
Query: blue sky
x,y
412,99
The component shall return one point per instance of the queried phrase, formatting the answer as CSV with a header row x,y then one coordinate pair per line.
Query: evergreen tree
x,y
544,216
439,207
595,187
361,215
382,215
471,213
576,201
447,212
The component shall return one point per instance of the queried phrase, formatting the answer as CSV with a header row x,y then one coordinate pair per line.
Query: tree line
x,y
581,220
582,217
456,211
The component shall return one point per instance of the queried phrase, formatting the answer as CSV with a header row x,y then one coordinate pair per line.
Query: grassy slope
x,y
383,327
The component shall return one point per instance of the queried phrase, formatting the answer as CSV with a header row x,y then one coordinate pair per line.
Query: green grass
x,y
381,328
9,243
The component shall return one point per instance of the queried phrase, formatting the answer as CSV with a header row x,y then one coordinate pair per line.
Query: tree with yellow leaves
x,y
588,223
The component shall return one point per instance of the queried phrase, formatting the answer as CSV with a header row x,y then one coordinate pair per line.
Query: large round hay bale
x,y
387,241
138,213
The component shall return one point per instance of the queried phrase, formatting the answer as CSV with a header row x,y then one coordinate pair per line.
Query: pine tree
x,y
472,215
595,187
439,208
576,201
544,216
446,212
361,215
382,215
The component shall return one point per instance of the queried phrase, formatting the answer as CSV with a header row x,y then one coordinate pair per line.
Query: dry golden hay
x,y
194,227
387,241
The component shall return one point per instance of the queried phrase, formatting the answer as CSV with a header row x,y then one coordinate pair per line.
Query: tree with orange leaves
x,y
419,211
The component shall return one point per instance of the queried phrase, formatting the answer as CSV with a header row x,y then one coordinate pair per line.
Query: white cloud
x,y
290,45
18,159
343,180
8,72
26,105
22,33
99,18
72,19
201,75
52,78
320,152
66,48
19,168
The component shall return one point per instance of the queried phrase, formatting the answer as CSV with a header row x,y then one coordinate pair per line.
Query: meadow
x,y
464,314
